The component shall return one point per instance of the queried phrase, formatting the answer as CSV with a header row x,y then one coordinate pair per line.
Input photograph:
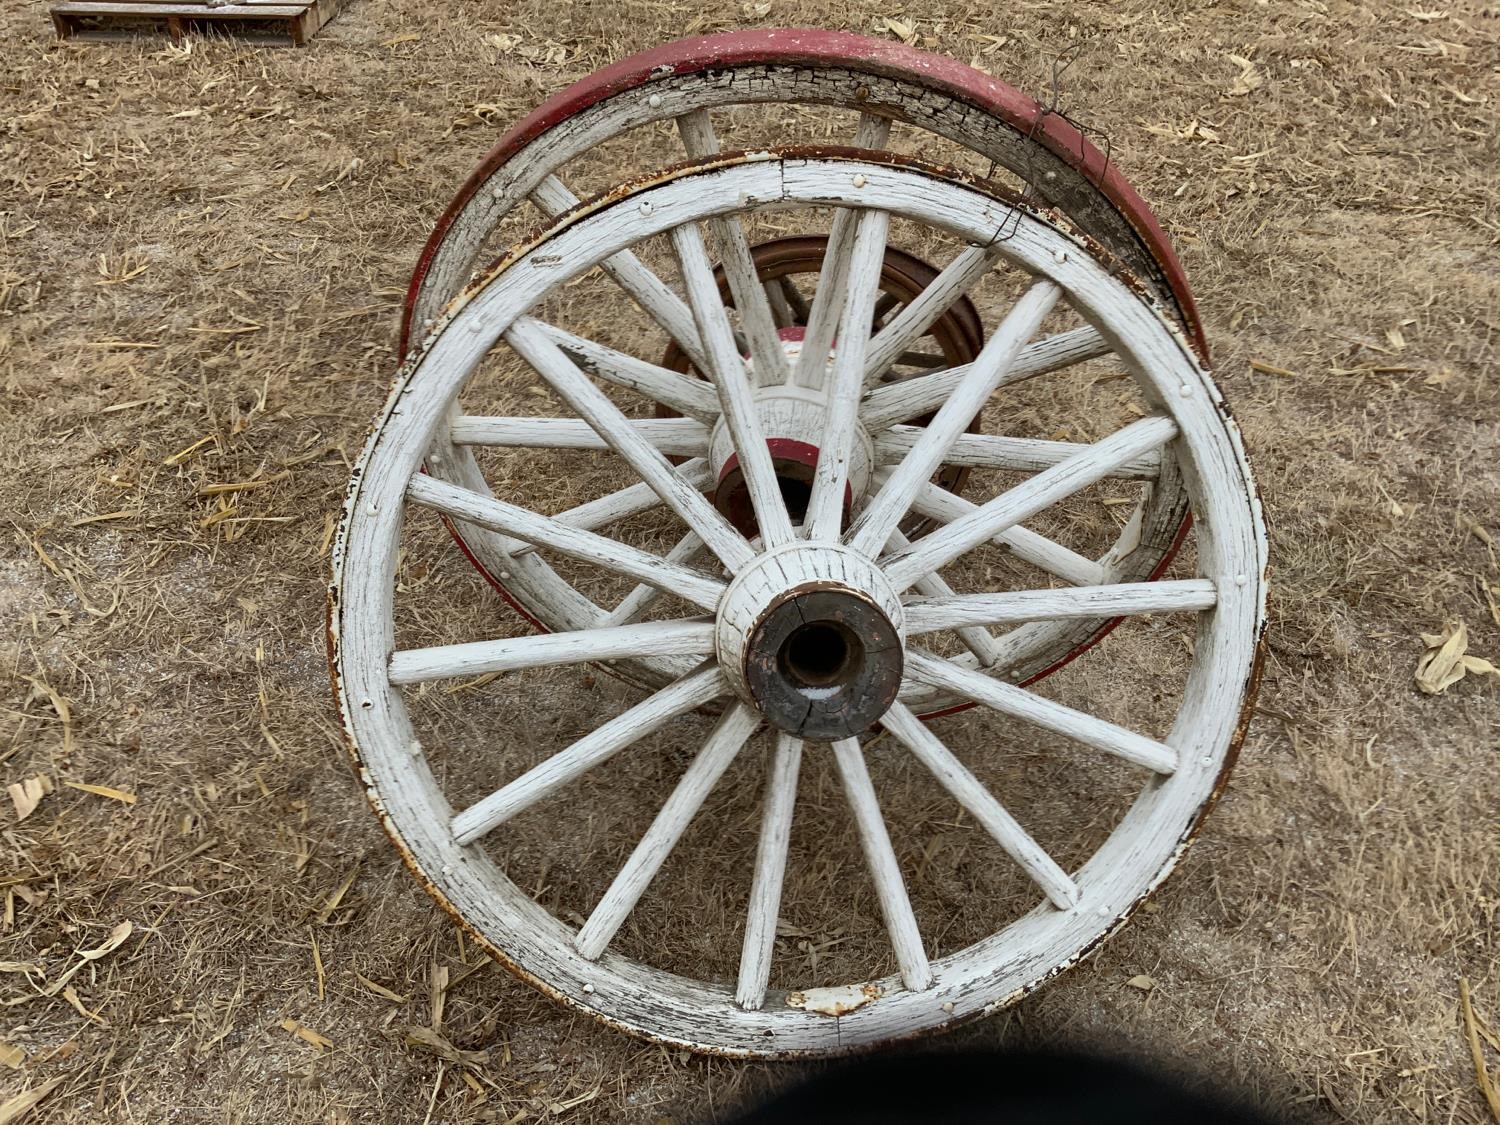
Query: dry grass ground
x,y
201,256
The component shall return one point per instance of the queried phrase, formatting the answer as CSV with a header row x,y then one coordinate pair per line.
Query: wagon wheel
x,y
805,634
894,90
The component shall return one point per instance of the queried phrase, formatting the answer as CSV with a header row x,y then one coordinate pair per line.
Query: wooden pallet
x,y
281,22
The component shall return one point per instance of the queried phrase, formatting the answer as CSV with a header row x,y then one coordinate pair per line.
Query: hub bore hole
x,y
820,654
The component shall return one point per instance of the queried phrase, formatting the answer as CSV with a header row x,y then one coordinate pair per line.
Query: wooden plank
x,y
291,23
190,7
189,11
309,22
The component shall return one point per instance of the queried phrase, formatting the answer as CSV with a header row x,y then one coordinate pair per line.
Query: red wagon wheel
x,y
729,91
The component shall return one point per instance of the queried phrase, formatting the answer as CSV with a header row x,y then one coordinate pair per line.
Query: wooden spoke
x,y
829,299
881,515
1021,704
544,531
911,398
627,502
732,732
921,359
692,397
1014,607
991,815
977,640
825,507
771,367
801,310
674,437
1028,498
887,302
781,309
939,504
641,285
655,638
770,873
733,384
610,422
635,603
895,905
989,451
894,341
693,690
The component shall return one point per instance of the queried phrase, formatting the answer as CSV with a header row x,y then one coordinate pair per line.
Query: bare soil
x,y
202,255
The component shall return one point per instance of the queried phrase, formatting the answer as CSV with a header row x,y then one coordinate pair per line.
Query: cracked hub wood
x,y
811,637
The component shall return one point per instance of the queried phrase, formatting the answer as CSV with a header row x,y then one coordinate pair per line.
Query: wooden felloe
x,y
274,22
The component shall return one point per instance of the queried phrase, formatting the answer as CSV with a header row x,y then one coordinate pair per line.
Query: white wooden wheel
x,y
799,639
719,93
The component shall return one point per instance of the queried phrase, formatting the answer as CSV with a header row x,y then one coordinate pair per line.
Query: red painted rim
x,y
814,46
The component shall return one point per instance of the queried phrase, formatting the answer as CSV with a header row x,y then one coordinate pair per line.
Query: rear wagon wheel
x,y
705,88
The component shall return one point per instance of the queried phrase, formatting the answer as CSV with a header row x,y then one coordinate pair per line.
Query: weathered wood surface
x,y
1204,455
274,21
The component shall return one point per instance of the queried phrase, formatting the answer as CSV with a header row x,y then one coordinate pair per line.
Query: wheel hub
x,y
792,418
811,636
794,428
